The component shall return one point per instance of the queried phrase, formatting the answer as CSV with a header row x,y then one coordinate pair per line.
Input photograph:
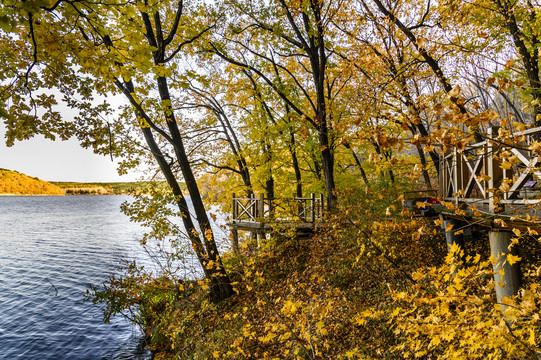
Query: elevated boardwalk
x,y
495,178
491,183
494,183
261,214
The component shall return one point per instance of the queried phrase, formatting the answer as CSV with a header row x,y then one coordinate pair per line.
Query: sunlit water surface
x,y
51,250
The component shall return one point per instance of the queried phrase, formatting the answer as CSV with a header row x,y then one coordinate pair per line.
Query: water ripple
x,y
52,249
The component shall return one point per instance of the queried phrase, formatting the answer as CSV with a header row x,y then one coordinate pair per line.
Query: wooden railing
x,y
261,209
471,175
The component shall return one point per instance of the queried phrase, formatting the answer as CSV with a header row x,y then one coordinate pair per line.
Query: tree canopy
x,y
284,97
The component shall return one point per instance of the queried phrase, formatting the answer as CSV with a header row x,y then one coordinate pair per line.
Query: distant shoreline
x,y
108,194
13,183
29,195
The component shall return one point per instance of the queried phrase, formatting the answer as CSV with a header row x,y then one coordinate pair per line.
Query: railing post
x,y
234,209
494,173
441,176
253,207
297,206
455,175
313,206
321,206
490,170
261,207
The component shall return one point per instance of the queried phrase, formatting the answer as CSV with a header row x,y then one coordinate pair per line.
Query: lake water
x,y
51,250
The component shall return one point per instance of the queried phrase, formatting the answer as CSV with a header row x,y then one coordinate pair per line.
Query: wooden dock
x,y
491,183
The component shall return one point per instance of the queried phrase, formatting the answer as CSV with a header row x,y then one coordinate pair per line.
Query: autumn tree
x,y
507,25
84,49
297,33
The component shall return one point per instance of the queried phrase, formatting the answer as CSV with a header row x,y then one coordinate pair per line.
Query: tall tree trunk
x,y
378,151
530,58
295,162
220,287
202,251
269,182
220,284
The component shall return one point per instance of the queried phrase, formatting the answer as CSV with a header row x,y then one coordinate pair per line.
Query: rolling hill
x,y
15,183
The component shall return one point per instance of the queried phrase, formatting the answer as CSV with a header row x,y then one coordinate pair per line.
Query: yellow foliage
x,y
12,182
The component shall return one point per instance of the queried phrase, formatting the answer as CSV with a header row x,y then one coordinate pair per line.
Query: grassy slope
x,y
13,182
111,188
372,284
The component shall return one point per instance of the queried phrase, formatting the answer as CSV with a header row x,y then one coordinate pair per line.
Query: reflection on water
x,y
51,250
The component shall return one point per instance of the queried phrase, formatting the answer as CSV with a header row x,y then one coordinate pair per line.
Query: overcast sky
x,y
58,161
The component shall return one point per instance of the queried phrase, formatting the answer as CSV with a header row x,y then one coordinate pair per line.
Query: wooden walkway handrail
x,y
473,174
261,209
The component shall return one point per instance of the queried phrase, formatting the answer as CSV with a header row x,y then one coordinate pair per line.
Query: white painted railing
x,y
261,209
473,174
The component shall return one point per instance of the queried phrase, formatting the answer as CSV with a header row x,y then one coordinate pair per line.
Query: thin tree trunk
x,y
357,161
296,167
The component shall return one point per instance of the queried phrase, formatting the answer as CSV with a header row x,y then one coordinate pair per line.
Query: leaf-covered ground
x,y
364,286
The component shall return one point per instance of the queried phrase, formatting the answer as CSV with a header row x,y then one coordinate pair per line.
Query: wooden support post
x,y
253,213
490,171
441,176
452,237
259,238
507,277
253,207
235,240
313,206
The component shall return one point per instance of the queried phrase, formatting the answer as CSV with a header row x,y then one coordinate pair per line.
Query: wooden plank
x,y
521,201
474,172
522,156
522,179
313,207
251,226
531,131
